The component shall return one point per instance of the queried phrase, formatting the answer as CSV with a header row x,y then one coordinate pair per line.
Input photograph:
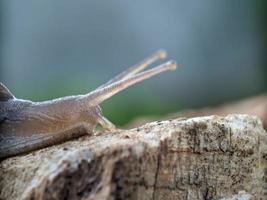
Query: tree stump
x,y
198,158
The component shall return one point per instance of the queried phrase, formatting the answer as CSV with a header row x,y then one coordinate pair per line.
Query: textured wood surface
x,y
198,158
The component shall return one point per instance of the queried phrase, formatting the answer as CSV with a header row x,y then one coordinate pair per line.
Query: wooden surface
x,y
199,158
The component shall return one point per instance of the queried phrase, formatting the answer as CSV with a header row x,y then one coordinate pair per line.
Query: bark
x,y
199,158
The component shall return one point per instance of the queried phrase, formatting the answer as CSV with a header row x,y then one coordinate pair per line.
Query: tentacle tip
x,y
172,65
162,54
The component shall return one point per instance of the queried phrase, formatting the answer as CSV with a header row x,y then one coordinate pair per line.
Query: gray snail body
x,y
26,126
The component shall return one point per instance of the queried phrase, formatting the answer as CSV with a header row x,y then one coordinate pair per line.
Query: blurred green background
x,y
51,49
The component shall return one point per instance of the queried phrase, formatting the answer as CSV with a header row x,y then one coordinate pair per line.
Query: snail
x,y
26,126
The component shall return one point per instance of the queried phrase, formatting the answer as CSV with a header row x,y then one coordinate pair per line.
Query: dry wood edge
x,y
256,105
200,158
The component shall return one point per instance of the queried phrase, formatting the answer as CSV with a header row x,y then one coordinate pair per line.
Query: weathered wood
x,y
199,158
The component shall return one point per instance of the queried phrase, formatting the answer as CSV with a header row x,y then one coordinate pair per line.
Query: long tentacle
x,y
161,54
98,96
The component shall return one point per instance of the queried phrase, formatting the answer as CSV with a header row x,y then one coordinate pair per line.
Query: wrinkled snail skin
x,y
26,126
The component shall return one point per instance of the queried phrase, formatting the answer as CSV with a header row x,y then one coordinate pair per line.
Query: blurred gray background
x,y
51,49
